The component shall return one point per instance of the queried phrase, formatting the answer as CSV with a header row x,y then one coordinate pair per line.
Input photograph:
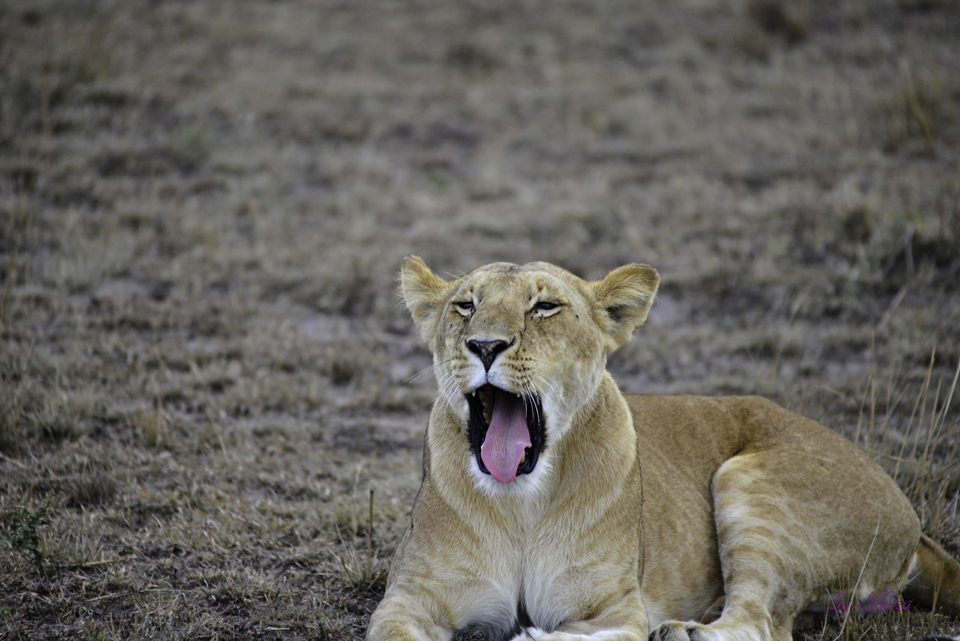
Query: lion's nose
x,y
487,350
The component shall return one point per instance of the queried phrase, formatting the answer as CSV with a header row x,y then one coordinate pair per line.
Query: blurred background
x,y
210,415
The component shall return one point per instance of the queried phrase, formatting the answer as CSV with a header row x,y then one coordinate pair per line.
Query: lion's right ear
x,y
424,293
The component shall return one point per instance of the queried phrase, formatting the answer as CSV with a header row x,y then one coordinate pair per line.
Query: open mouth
x,y
507,432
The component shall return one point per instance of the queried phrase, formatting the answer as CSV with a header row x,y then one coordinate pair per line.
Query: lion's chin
x,y
508,450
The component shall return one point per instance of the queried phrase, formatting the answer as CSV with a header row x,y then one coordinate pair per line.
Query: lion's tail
x,y
934,579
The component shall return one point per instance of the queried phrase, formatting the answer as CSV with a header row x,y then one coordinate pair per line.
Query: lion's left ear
x,y
424,293
622,301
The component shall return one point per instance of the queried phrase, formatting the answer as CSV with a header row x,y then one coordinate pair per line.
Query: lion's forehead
x,y
528,268
508,280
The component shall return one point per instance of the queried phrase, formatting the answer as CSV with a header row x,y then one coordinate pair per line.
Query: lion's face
x,y
519,350
517,354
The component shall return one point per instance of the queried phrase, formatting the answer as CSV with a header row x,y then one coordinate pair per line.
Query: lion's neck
x,y
601,437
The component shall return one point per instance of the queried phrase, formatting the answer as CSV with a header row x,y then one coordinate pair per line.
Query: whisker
x,y
418,375
443,385
530,393
448,388
425,370
536,406
547,383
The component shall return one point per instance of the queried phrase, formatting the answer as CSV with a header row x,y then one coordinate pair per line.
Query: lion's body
x,y
588,514
746,473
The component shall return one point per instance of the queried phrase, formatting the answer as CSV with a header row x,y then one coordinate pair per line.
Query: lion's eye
x,y
464,307
545,306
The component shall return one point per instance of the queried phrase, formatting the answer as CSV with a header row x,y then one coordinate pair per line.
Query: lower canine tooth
x,y
524,457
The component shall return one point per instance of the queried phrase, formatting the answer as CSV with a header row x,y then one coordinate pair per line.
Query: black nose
x,y
487,350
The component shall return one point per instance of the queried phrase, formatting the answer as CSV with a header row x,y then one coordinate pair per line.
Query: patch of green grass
x,y
20,525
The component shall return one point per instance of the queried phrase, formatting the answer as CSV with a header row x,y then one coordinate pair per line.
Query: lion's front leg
x,y
401,617
430,596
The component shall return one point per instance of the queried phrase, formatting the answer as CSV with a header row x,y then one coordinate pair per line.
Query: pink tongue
x,y
506,438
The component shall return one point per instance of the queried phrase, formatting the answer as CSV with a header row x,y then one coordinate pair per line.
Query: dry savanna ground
x,y
205,374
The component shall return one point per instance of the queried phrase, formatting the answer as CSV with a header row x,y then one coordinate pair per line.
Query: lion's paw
x,y
534,634
684,631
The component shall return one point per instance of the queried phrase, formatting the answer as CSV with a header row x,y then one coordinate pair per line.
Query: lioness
x,y
554,507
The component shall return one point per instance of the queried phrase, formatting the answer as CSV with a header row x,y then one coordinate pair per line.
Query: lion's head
x,y
518,350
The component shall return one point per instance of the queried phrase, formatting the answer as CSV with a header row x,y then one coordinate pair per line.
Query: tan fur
x,y
644,514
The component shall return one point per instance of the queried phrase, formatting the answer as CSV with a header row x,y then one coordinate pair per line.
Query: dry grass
x,y
203,207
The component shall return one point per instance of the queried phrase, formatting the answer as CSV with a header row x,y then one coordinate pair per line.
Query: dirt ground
x,y
206,378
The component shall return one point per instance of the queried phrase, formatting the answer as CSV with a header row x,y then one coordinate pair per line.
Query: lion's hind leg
x,y
786,540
